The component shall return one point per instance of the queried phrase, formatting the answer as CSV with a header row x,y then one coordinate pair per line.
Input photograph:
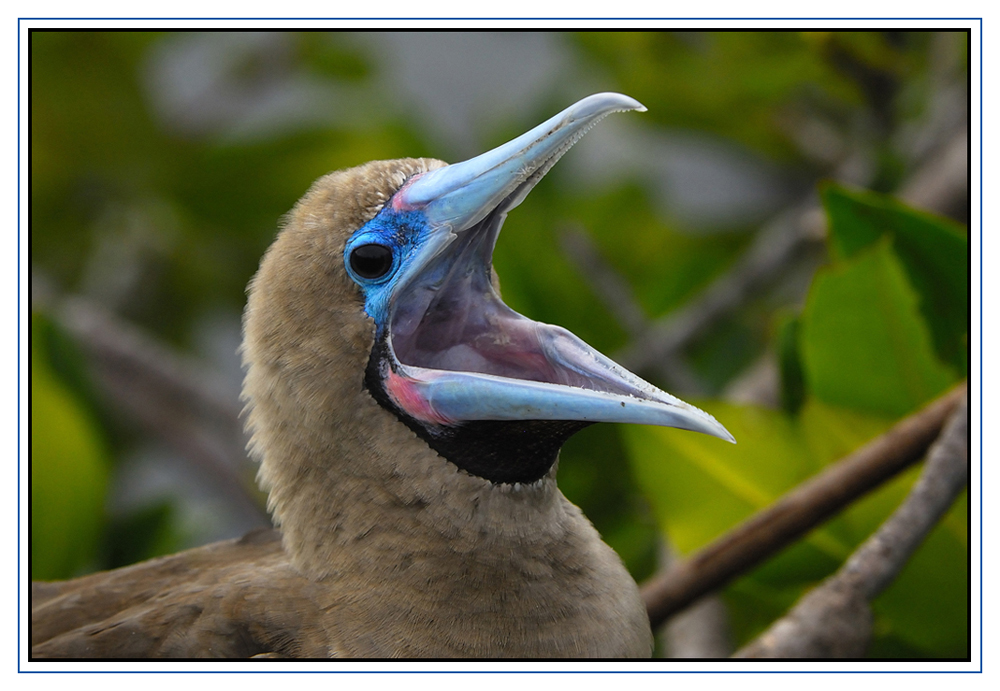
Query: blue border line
x,y
981,659
497,671
19,345
494,19
486,19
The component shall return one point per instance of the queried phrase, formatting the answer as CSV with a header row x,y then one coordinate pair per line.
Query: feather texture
x,y
386,549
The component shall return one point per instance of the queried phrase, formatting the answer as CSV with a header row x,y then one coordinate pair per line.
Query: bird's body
x,y
243,598
407,424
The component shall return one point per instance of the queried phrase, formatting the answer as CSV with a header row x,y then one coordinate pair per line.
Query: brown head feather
x,y
389,550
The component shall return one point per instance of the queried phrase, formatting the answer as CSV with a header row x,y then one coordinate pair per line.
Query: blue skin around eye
x,y
404,233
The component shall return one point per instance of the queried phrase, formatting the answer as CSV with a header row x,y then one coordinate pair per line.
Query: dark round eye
x,y
371,261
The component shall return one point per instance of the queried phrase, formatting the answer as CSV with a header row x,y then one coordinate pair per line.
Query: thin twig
x,y
616,294
609,286
797,512
834,620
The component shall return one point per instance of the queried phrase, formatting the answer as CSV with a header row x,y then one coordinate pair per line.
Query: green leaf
x,y
683,473
864,343
69,471
793,385
934,253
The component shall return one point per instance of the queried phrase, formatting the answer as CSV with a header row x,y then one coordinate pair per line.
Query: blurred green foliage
x,y
867,358
700,80
166,222
69,473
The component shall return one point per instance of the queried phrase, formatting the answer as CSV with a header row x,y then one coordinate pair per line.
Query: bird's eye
x,y
371,261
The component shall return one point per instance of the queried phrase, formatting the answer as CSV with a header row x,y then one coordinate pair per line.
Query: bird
x,y
407,424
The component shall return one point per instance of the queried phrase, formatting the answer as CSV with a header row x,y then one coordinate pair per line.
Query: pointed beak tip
x,y
608,102
635,105
718,431
722,433
707,424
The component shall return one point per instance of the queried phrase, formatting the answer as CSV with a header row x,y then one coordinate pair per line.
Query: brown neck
x,y
347,480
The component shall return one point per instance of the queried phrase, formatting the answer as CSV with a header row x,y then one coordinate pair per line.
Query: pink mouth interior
x,y
468,330
451,318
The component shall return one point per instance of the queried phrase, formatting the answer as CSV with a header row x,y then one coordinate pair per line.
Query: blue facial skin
x,y
404,233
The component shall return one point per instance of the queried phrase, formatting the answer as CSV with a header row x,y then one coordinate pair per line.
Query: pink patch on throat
x,y
405,394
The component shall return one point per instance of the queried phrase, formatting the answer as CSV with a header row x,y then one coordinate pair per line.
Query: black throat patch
x,y
502,452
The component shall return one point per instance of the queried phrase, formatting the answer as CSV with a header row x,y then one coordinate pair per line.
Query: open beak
x,y
456,352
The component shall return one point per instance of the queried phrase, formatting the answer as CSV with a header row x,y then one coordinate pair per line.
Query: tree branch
x,y
835,619
797,512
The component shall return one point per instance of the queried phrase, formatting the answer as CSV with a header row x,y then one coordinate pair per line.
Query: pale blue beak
x,y
458,352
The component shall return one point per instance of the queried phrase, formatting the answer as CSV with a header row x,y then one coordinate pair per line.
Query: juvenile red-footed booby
x,y
407,424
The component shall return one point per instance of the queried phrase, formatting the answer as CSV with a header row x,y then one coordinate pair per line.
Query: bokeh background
x,y
780,239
